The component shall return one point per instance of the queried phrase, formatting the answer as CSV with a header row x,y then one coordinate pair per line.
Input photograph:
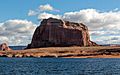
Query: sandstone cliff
x,y
56,32
4,47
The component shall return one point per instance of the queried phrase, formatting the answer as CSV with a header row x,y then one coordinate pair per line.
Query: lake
x,y
17,47
59,66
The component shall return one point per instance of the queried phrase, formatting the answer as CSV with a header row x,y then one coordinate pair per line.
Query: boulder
x,y
4,47
56,32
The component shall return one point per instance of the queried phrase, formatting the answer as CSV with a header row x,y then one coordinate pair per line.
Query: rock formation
x,y
56,32
4,47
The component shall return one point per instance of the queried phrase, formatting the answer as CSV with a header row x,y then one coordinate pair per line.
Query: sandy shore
x,y
66,52
96,56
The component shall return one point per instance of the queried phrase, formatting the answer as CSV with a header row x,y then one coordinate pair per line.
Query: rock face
x,y
55,32
4,47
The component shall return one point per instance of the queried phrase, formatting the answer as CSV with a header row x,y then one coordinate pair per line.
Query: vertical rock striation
x,y
56,32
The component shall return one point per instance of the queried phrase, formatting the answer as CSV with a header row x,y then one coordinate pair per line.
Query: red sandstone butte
x,y
4,47
56,32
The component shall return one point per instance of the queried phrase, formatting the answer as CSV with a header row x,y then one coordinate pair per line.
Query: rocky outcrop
x,y
56,32
4,47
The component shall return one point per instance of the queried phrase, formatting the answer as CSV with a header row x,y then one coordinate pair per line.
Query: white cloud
x,y
103,33
100,24
16,32
94,19
41,9
46,7
32,13
47,15
107,39
4,39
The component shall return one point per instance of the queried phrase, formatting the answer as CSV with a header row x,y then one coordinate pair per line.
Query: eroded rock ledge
x,y
56,32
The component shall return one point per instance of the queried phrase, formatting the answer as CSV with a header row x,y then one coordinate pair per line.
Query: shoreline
x,y
98,56
65,52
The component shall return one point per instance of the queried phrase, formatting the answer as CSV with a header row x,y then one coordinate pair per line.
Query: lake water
x,y
17,47
59,66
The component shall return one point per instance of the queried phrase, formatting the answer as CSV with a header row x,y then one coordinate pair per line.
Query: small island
x,y
59,38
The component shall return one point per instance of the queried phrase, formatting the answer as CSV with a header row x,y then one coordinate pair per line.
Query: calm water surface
x,y
59,66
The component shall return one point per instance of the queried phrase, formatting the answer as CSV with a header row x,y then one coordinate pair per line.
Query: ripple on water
x,y
59,66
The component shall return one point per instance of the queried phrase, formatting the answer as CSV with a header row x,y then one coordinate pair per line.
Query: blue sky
x,y
90,12
17,9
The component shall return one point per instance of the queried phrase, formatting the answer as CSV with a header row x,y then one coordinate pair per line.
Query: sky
x,y
19,18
